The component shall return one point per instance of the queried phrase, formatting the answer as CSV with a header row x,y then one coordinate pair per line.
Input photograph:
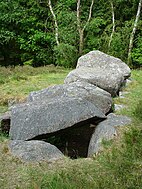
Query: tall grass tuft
x,y
138,110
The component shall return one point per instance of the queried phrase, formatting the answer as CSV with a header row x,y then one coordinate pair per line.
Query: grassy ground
x,y
119,166
15,84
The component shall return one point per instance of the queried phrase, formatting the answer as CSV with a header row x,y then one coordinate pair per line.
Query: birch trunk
x,y
78,15
55,22
113,24
133,32
81,42
80,29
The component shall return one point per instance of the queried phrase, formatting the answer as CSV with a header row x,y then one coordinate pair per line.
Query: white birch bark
x,y
90,14
55,22
133,32
80,29
113,24
78,15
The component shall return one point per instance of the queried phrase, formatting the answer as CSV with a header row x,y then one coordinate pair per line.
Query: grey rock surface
x,y
42,117
93,94
106,130
108,80
128,82
123,93
118,107
35,151
98,59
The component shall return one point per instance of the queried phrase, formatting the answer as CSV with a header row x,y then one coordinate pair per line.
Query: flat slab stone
x,y
93,94
35,151
106,130
42,117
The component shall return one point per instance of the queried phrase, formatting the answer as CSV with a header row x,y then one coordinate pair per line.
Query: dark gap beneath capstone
x,y
5,126
72,141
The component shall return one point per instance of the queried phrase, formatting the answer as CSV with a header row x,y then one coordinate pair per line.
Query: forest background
x,y
43,32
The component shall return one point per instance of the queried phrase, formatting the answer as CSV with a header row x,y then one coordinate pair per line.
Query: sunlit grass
x,y
16,84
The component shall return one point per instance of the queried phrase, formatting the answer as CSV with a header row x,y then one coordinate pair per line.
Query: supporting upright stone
x,y
106,130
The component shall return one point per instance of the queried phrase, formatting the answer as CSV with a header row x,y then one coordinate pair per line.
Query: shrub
x,y
65,55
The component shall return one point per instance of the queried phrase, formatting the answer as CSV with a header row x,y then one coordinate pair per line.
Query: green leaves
x,y
27,31
6,36
137,53
66,55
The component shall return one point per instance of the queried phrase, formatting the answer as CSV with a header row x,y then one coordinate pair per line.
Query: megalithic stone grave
x,y
63,115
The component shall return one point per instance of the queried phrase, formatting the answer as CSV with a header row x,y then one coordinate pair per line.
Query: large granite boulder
x,y
109,80
102,70
106,130
42,117
97,59
93,94
31,151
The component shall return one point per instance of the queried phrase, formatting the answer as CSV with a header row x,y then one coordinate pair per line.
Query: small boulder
x,y
118,107
35,151
106,130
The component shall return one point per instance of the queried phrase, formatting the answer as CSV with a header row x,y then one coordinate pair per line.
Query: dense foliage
x,y
27,34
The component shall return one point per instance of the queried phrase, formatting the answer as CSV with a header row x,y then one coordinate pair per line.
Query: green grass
x,y
119,166
16,84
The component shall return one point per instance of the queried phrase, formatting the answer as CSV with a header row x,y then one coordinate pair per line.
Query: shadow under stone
x,y
5,126
72,141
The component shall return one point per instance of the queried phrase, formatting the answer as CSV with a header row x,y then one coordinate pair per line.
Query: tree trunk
x,y
90,14
55,22
133,32
81,30
113,24
78,15
81,42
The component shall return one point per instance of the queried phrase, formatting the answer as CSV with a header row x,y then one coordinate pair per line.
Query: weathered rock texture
x,y
102,70
111,81
97,59
42,117
106,130
93,94
35,150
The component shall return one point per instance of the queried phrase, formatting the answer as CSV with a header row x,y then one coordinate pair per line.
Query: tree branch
x,y
81,30
55,21
78,16
113,24
134,31
90,14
